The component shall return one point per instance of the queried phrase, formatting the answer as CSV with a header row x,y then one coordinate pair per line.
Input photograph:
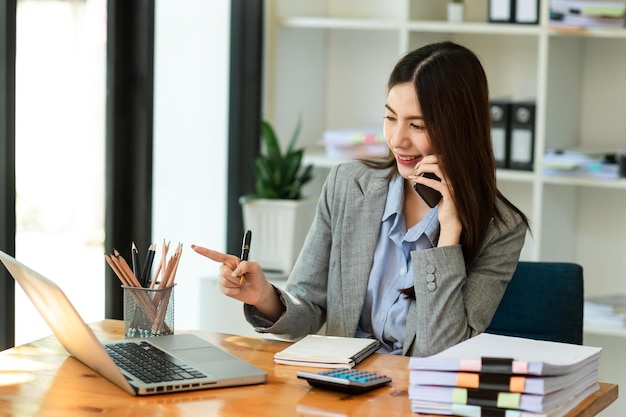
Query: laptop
x,y
204,365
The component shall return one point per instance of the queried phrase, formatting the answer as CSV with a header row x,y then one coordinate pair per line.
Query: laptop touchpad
x,y
203,355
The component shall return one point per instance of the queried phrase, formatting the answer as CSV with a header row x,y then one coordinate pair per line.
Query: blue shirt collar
x,y
428,226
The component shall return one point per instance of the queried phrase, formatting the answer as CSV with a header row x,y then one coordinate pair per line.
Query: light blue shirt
x,y
385,310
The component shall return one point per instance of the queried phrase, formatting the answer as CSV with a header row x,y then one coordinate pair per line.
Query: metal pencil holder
x,y
148,312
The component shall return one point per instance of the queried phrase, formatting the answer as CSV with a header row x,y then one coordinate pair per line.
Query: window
x,y
60,153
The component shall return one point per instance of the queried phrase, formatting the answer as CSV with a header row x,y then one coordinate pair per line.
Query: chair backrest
x,y
544,301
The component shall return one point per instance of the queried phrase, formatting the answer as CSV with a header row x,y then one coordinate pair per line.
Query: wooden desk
x,y
39,379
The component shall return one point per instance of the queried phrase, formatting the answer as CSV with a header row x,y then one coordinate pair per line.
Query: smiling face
x,y
404,128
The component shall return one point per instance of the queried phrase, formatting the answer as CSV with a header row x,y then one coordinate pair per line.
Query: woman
x,y
378,260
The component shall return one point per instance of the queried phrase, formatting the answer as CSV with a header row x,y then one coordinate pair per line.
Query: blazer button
x,y
430,268
431,286
430,277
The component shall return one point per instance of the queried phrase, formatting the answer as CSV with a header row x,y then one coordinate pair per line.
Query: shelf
x,y
480,28
306,22
441,26
585,182
431,26
317,156
515,175
576,76
586,32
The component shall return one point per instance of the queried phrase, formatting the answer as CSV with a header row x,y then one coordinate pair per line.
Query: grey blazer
x,y
329,279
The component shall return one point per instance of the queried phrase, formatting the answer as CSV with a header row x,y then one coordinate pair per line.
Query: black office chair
x,y
543,301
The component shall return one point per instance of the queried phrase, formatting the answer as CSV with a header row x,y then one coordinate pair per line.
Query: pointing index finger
x,y
213,255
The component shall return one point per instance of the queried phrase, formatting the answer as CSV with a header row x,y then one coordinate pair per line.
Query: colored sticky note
x,y
509,400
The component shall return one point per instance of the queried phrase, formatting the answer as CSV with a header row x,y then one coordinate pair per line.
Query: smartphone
x,y
429,195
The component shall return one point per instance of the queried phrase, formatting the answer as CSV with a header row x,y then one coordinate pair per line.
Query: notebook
x,y
204,365
327,351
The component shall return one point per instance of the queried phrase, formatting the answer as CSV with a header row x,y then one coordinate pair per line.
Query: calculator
x,y
352,381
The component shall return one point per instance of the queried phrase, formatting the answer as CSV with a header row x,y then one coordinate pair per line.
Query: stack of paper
x,y
492,374
609,310
587,13
579,163
355,143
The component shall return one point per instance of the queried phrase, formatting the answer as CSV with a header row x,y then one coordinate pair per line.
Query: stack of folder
x,y
492,375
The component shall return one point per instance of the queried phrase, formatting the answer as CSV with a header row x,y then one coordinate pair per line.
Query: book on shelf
x,y
327,351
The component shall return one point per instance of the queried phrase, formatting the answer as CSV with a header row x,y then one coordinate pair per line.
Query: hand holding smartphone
x,y
429,195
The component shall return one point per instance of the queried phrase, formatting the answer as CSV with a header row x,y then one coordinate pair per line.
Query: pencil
x,y
134,257
147,265
245,250
155,308
119,260
117,271
161,265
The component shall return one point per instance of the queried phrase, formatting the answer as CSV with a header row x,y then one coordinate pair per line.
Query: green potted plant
x,y
280,175
277,213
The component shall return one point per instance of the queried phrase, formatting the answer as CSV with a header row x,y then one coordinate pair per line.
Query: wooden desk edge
x,y
111,329
596,402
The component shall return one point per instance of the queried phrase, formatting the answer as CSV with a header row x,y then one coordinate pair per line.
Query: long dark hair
x,y
453,93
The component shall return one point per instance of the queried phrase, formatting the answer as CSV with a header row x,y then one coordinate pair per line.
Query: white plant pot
x,y
456,12
279,228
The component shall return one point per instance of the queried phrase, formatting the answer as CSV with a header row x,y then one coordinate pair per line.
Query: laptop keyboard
x,y
150,364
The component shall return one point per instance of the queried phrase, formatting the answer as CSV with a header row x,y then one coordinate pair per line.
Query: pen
x,y
245,250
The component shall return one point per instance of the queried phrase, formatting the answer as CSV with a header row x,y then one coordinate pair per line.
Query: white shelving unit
x,y
328,61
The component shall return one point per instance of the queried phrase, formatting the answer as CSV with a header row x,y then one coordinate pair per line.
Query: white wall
x,y
191,139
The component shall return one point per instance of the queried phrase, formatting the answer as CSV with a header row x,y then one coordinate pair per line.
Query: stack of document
x,y
589,163
588,13
492,375
608,310
357,143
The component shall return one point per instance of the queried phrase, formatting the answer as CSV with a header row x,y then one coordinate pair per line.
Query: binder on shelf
x,y
522,147
500,131
526,11
514,11
500,11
